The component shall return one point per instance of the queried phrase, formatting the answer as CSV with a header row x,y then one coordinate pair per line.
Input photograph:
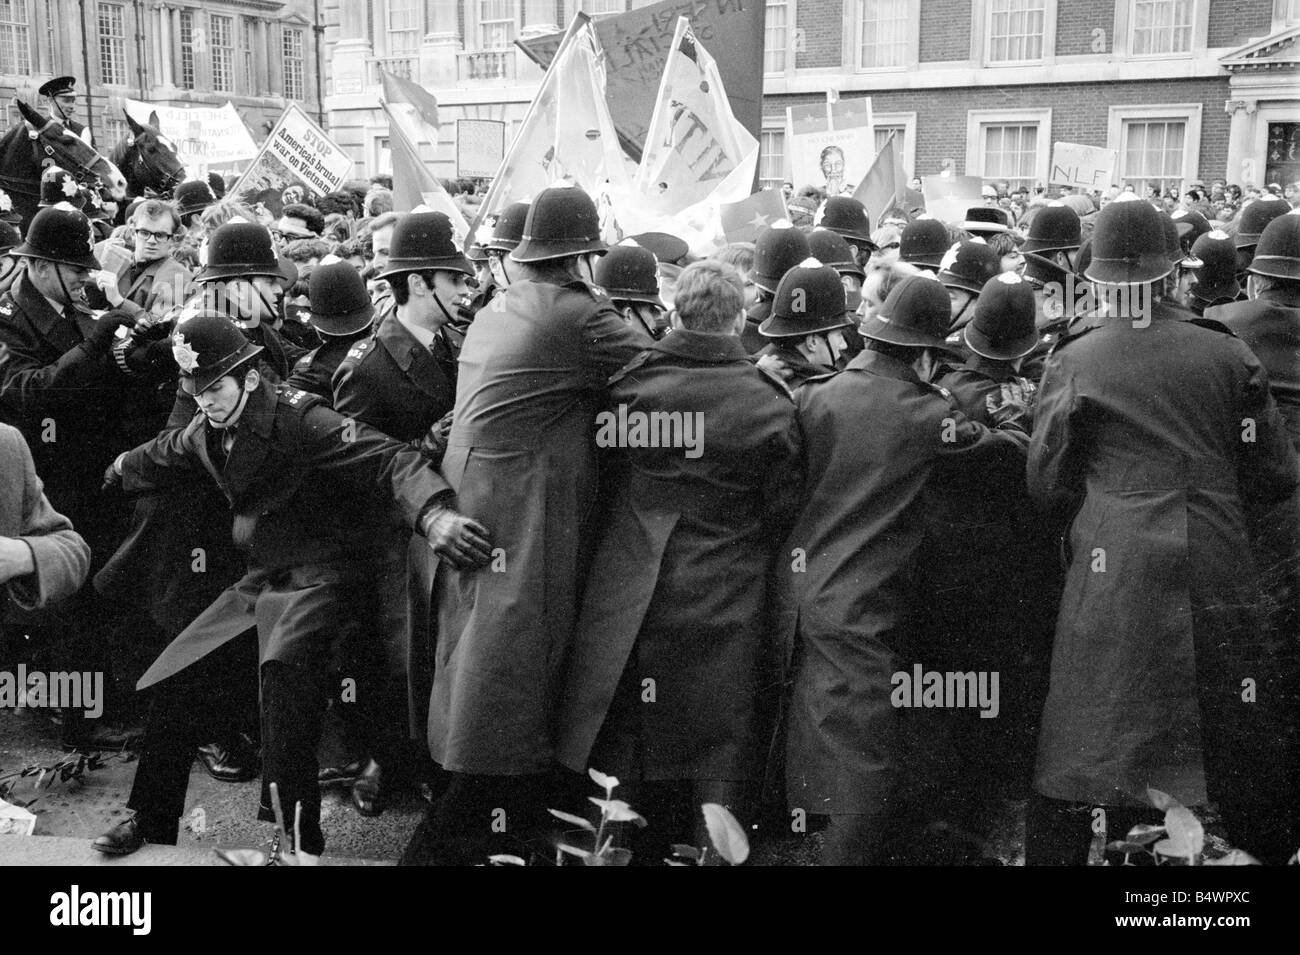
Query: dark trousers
x,y
186,711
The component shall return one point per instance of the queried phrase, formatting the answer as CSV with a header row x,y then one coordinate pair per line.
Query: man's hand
x,y
1014,406
775,367
106,326
459,540
107,283
112,477
15,559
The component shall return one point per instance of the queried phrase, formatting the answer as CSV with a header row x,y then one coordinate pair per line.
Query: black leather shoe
x,y
122,839
236,764
368,790
339,775
110,736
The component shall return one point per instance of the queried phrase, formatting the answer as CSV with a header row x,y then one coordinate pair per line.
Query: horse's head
x,y
156,164
64,148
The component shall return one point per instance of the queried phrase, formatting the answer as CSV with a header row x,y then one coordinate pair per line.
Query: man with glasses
x,y
62,94
155,281
298,221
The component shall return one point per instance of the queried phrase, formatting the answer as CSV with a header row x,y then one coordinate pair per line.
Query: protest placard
x,y
831,145
948,197
480,147
296,158
1083,167
204,136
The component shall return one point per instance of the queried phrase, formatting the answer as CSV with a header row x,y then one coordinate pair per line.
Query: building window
x,y
249,45
15,44
1152,153
187,50
883,133
776,37
111,20
598,8
115,130
882,33
404,27
295,84
1162,26
1016,29
51,38
223,53
496,24
1010,152
1286,13
771,158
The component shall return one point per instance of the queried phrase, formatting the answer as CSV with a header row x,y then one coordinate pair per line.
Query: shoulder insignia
x,y
293,396
303,363
941,389
595,291
6,308
358,351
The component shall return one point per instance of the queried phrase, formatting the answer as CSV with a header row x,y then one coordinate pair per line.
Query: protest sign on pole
x,y
948,197
830,145
480,147
636,45
1083,167
296,157
204,136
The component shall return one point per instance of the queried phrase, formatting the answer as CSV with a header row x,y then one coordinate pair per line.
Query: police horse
x,y
148,160
39,141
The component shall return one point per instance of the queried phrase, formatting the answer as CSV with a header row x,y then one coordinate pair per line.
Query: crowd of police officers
x,y
1059,463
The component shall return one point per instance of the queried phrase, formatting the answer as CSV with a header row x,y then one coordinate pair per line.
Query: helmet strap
x,y
230,419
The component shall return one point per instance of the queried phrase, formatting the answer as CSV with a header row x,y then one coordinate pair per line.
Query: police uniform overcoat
x,y
292,480
522,459
678,590
1272,330
1139,432
855,592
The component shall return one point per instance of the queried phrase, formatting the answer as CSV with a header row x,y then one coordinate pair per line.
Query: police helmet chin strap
x,y
231,419
267,304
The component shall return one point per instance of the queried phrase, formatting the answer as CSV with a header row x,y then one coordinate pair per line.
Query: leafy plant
x,y
612,811
68,769
726,833
1182,837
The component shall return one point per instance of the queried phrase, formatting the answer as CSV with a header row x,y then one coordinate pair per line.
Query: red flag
x,y
885,184
413,183
399,90
743,220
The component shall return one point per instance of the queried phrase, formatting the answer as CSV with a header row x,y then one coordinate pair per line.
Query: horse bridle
x,y
166,180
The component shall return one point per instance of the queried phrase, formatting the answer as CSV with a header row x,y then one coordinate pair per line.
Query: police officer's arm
x,y
369,460
168,459
1268,469
1054,468
610,343
354,396
33,388
961,439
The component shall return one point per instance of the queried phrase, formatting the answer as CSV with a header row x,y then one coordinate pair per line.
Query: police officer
x,y
61,92
294,473
848,217
808,317
506,234
342,314
777,250
965,269
402,381
59,186
629,274
924,242
1216,278
1250,225
1055,234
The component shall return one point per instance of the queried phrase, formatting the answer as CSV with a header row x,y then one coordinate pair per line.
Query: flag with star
x,y
742,221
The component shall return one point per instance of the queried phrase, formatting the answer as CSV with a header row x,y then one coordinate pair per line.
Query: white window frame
x,y
413,9
606,8
1285,20
982,36
790,26
476,26
775,124
297,75
908,122
114,42
1122,33
976,119
1190,113
852,51
19,38
228,48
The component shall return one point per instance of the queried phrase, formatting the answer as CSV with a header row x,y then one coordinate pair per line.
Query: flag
x,y
948,197
743,221
694,142
636,46
421,101
885,185
567,135
414,184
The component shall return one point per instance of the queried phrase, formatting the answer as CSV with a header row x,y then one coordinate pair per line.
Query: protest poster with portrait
x,y
296,160
831,145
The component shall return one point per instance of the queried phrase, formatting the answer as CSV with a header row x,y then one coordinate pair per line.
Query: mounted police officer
x,y
294,472
61,94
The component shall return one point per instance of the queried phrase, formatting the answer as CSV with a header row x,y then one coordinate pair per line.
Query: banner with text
x,y
480,147
1083,167
296,156
205,136
830,145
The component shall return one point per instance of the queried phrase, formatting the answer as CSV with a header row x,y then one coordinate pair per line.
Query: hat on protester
x,y
1278,253
509,228
968,265
848,217
630,273
240,250
777,250
60,234
562,221
58,185
60,84
1191,226
193,196
989,219
924,243
831,248
1173,243
809,300
1055,228
1216,278
208,347
1128,246
1256,216
666,247
423,241
1003,326
340,303
917,313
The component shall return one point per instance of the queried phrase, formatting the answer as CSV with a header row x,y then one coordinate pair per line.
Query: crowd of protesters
x,y
929,518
